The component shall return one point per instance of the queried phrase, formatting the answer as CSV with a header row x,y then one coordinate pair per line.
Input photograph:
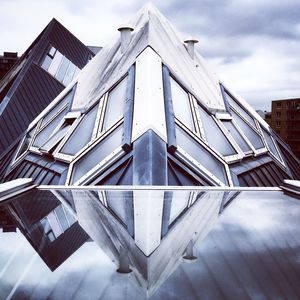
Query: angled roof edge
x,y
154,30
24,62
23,65
246,105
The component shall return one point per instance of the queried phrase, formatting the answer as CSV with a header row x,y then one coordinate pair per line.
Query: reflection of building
x,y
7,60
50,228
285,120
158,240
137,116
42,72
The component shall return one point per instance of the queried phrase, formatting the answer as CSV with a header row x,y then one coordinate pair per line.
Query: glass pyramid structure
x,y
147,110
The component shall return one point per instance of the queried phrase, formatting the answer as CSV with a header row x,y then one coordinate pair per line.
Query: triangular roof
x,y
152,29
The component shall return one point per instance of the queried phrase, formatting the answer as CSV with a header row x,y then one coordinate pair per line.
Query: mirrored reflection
x,y
140,244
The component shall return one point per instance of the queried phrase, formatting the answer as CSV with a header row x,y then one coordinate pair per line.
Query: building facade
x,y
7,60
285,121
42,72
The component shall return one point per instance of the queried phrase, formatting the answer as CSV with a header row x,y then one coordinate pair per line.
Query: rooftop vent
x,y
190,42
125,36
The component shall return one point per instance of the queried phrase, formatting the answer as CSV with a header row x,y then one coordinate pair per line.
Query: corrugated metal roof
x,y
69,45
35,92
261,171
5,161
28,89
42,170
291,160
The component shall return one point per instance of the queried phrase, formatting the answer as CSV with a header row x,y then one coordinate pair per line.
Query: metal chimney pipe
x,y
125,36
124,267
189,255
190,43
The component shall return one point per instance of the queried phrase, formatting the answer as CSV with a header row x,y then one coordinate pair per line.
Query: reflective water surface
x,y
142,244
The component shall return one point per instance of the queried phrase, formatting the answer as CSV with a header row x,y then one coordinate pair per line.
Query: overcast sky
x,y
253,45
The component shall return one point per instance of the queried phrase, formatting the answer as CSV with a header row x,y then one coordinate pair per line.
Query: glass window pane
x,y
200,154
52,51
25,142
117,202
214,135
178,204
54,224
98,153
270,143
181,104
45,133
56,138
58,107
82,135
115,104
77,70
46,62
70,73
71,219
237,136
250,133
61,218
55,63
62,69
240,110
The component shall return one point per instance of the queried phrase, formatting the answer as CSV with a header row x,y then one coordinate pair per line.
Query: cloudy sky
x,y
254,45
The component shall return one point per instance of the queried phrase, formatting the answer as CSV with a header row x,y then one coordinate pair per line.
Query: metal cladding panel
x,y
292,162
268,174
31,212
61,249
180,175
149,160
5,161
43,171
37,208
69,45
35,92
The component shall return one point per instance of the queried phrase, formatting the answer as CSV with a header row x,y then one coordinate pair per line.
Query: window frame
x,y
18,158
98,131
55,74
106,162
256,129
196,166
228,158
280,160
196,119
66,157
190,104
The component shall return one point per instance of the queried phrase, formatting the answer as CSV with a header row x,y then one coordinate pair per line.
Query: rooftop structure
x,y
137,116
41,73
147,177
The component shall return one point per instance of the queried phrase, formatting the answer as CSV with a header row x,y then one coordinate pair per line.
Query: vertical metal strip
x,y
128,114
170,121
